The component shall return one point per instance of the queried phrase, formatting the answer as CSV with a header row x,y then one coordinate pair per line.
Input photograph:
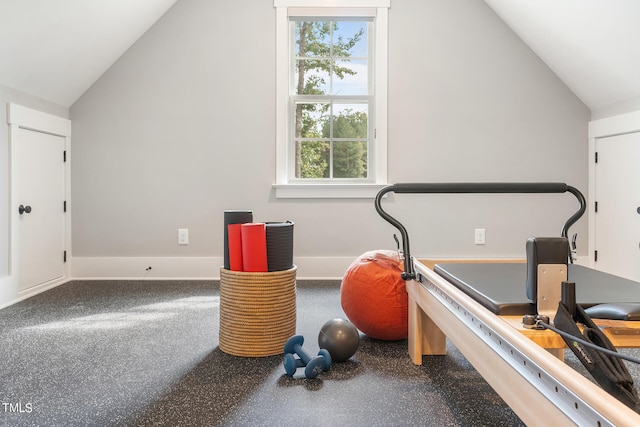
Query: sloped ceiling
x,y
592,45
56,49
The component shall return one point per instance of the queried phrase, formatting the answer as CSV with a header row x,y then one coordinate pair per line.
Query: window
x,y
331,98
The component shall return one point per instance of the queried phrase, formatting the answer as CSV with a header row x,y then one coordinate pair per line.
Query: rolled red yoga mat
x,y
254,247
235,247
233,217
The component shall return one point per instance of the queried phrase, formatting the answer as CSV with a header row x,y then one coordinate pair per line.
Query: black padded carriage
x,y
500,288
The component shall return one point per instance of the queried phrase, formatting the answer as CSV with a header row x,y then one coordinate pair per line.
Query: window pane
x,y
346,42
350,38
312,77
310,119
350,78
313,39
349,121
313,159
349,159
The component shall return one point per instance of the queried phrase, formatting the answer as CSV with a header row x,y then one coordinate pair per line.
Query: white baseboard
x,y
584,261
199,268
190,268
14,295
145,267
323,267
173,268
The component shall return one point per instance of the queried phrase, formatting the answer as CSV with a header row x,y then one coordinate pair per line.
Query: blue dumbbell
x,y
291,364
314,364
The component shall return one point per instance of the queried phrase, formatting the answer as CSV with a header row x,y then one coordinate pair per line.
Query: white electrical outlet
x,y
183,236
480,236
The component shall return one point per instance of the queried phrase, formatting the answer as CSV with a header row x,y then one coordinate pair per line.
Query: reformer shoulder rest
x,y
618,311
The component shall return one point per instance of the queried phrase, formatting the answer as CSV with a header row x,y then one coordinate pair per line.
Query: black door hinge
x,y
596,206
595,255
64,206
64,156
64,256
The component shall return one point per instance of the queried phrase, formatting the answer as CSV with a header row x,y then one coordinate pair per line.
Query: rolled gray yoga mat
x,y
279,245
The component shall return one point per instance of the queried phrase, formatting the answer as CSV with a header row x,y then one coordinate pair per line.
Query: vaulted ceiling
x,y
592,45
57,49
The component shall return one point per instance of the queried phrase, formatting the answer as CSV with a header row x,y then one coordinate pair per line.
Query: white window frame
x,y
284,186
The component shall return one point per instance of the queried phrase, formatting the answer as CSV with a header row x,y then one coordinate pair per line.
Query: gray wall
x,y
181,128
9,95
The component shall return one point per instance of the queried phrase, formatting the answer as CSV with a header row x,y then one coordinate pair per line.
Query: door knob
x,y
24,209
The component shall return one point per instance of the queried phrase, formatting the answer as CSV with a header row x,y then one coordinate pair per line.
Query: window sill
x,y
327,191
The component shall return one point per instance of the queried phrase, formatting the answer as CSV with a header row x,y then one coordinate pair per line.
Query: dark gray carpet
x,y
145,353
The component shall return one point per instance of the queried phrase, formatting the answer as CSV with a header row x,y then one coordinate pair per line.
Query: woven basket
x,y
257,312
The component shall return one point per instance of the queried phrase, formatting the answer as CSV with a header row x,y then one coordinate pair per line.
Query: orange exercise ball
x,y
374,296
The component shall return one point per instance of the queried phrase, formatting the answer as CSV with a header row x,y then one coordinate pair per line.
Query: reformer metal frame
x,y
540,389
475,188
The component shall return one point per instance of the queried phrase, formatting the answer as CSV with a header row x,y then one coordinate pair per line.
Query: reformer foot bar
x,y
539,387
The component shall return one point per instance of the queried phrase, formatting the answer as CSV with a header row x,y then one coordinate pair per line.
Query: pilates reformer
x,y
447,300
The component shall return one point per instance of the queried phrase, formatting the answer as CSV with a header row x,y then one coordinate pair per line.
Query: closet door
x,y
39,175
617,193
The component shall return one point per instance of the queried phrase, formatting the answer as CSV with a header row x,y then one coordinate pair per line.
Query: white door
x,y
617,193
39,171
